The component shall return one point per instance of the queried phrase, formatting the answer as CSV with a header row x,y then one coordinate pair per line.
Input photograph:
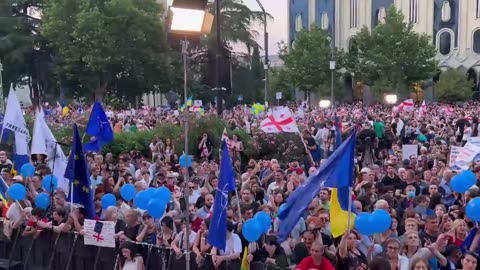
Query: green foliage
x,y
279,83
307,62
453,86
393,53
108,44
23,53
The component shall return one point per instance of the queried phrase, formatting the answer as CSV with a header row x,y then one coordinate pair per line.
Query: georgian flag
x,y
448,110
408,105
280,120
423,109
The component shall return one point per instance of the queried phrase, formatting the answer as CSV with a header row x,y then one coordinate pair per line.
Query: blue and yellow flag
x,y
77,173
332,173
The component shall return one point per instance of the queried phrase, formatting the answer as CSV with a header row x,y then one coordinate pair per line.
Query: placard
x,y
409,150
99,233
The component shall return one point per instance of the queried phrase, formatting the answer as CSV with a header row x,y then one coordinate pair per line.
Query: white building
x,y
454,25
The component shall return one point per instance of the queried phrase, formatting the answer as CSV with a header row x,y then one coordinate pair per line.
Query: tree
x,y
307,62
25,58
454,85
392,55
109,44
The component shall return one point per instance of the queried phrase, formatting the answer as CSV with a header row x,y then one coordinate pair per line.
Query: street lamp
x,y
266,64
324,103
391,99
186,22
332,71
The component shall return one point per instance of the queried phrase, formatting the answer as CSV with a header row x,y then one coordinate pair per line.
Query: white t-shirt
x,y
233,245
181,239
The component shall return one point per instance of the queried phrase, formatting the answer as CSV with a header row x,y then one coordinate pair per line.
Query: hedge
x,y
258,145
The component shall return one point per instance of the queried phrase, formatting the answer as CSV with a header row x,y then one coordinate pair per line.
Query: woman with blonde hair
x,y
459,232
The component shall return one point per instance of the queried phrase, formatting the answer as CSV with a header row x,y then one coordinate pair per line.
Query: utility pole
x,y
218,59
265,49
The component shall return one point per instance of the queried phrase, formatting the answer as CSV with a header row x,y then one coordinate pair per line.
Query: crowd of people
x,y
429,226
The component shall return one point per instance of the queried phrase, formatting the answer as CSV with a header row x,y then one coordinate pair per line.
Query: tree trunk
x,y
101,90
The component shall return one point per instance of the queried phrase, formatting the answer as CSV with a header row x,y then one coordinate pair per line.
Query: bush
x,y
258,146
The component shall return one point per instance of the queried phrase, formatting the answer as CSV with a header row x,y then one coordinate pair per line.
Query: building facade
x,y
454,25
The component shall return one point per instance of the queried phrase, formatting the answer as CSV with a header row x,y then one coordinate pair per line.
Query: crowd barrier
x,y
66,251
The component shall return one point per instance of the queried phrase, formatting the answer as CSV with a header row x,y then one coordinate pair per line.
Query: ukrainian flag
x,y
245,264
339,199
338,214
3,192
190,101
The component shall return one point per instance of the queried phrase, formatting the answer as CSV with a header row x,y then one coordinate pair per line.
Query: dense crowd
x,y
428,230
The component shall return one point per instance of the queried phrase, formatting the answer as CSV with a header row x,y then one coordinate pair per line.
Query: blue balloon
x,y
470,177
50,183
127,192
42,201
27,170
164,194
17,192
185,162
462,182
108,200
381,220
150,192
141,200
156,208
282,208
473,209
364,223
252,230
264,220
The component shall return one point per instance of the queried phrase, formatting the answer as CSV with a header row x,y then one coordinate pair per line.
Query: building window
x,y
444,41
446,11
352,45
353,13
381,15
413,12
478,8
324,21
298,23
476,41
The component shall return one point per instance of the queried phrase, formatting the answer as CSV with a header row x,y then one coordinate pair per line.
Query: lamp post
x,y
265,44
218,59
188,22
332,72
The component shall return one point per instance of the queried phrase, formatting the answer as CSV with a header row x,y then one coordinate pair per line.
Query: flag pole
x,y
350,202
312,162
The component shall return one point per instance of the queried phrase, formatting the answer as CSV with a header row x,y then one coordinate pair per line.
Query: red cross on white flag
x,y
280,120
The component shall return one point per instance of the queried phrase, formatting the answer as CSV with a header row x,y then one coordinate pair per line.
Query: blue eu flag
x,y
77,172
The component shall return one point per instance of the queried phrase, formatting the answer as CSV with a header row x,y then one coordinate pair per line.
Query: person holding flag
x,y
220,231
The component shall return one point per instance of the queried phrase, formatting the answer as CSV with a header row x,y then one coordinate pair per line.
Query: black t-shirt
x,y
352,262
423,235
394,182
